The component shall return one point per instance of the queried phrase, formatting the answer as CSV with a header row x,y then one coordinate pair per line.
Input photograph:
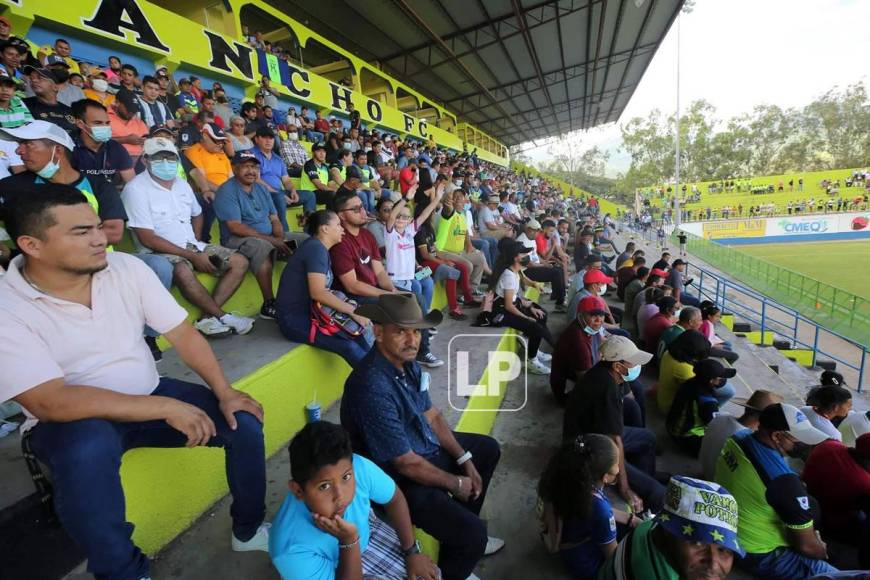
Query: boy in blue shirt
x,y
326,529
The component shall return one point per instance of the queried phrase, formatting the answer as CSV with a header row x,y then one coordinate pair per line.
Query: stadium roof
x,y
519,70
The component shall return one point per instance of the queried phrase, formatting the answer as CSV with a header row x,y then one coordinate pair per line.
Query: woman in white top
x,y
825,405
511,309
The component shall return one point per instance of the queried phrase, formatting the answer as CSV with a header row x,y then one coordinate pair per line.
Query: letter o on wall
x,y
373,108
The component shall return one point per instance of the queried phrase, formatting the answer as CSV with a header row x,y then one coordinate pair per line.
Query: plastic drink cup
x,y
312,412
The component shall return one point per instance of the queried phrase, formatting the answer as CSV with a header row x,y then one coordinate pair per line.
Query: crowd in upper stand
x,y
90,153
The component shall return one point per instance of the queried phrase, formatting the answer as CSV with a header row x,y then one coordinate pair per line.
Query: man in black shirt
x,y
46,150
45,106
664,262
596,406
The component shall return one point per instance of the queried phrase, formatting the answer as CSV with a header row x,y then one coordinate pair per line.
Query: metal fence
x,y
829,306
762,306
769,315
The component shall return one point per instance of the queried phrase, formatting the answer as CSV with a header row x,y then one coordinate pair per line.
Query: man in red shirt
x,y
656,325
577,349
408,176
321,125
357,264
838,477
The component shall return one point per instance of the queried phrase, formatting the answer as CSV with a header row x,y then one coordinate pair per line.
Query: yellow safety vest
x,y
451,233
322,174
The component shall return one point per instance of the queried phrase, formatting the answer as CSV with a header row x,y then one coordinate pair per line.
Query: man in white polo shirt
x,y
72,355
167,220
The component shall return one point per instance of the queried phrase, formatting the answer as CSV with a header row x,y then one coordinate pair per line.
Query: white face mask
x,y
100,85
294,136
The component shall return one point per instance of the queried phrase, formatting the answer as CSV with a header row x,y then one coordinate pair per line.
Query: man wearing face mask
x,y
578,346
596,406
777,514
96,154
46,151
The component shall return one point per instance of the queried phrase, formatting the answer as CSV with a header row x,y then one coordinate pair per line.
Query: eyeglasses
x,y
355,209
403,216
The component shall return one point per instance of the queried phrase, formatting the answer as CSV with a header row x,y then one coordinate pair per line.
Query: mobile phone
x,y
293,245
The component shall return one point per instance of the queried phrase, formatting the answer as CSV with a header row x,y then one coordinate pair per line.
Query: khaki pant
x,y
475,262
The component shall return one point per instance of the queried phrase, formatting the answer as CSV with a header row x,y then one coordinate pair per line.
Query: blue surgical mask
x,y
101,133
590,331
632,375
166,169
50,168
467,206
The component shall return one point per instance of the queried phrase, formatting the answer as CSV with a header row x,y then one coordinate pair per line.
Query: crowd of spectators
x,y
97,147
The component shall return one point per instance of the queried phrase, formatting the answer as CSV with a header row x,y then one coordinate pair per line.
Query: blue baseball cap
x,y
700,511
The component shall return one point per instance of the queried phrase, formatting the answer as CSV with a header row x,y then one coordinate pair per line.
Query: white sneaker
x,y
493,545
544,357
212,327
536,367
239,324
259,542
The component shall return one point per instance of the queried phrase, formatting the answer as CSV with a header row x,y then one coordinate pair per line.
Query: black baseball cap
x,y
50,74
678,262
710,368
7,80
243,157
353,171
318,145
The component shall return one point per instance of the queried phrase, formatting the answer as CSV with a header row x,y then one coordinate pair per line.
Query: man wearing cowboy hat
x,y
387,411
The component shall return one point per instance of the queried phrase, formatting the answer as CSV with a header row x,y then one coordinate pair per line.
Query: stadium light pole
x,y
677,216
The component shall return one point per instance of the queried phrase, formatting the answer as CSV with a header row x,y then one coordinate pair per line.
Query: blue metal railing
x,y
772,316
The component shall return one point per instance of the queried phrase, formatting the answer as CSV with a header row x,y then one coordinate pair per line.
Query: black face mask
x,y
525,260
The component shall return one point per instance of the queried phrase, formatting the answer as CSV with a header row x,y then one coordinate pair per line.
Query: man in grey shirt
x,y
725,425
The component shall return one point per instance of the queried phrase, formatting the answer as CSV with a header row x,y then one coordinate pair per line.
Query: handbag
x,y
330,321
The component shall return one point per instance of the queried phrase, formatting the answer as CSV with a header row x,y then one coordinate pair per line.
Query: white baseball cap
x,y
619,348
156,145
785,417
39,130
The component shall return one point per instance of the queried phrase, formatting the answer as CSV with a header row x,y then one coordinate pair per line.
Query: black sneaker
x,y
151,341
429,360
269,311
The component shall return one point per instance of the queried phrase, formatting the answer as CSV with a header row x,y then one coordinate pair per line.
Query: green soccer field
x,y
844,264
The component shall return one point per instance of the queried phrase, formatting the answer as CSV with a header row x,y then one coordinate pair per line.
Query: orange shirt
x,y
216,166
122,128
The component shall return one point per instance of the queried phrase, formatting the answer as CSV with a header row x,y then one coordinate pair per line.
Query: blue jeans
x,y
307,200
163,268
367,196
314,136
785,564
489,247
85,458
280,202
208,218
352,350
423,290
640,466
724,393
687,300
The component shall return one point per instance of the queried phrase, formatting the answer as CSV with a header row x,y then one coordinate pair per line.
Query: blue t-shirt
x,y
232,203
598,530
293,299
299,549
271,169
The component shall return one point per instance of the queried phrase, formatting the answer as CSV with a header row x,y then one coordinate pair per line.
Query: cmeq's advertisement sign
x,y
803,226
832,226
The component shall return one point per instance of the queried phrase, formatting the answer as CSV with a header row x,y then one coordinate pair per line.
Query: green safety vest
x,y
308,185
367,176
84,186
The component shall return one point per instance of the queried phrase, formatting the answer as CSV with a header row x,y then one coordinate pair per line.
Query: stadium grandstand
x,y
275,301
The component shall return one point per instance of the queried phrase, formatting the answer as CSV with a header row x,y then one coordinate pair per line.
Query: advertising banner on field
x,y
750,228
802,226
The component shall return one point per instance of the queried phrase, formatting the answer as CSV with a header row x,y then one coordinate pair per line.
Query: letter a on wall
x,y
113,15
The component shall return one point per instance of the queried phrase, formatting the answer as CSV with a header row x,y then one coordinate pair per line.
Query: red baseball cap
x,y
596,277
591,305
658,272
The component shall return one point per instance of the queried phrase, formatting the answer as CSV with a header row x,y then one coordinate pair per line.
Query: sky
x,y
740,53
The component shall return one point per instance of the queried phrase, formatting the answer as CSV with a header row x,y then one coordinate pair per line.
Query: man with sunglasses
x,y
357,262
249,223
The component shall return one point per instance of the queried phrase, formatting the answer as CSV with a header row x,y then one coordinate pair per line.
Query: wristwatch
x,y
414,549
